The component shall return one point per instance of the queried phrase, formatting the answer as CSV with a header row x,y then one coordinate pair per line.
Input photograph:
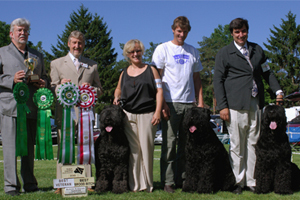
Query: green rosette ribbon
x,y
21,95
67,96
43,99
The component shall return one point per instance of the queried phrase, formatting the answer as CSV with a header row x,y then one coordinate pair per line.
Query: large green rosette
x,y
21,95
43,99
67,96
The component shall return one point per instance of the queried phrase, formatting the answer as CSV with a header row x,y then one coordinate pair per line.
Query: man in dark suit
x,y
12,71
239,91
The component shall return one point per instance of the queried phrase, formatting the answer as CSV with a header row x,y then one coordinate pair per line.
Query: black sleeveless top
x,y
138,94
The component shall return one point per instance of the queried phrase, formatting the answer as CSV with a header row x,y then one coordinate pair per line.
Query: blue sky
x,y
149,21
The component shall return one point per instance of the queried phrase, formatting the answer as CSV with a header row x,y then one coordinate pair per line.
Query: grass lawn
x,y
45,172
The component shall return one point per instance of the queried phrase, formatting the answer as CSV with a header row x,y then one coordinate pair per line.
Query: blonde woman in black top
x,y
140,91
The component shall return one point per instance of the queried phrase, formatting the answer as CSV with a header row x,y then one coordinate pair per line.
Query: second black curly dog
x,y
112,152
208,168
274,170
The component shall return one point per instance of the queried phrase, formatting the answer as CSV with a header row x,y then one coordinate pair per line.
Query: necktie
x,y
254,87
77,64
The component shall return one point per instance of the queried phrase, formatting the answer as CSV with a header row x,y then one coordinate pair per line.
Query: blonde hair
x,y
129,46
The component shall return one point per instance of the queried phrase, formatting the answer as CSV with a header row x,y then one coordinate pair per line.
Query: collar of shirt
x,y
25,54
73,57
85,65
240,48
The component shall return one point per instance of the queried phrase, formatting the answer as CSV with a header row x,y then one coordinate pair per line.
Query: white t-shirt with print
x,y
178,64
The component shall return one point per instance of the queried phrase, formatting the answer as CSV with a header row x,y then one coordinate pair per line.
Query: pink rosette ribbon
x,y
85,140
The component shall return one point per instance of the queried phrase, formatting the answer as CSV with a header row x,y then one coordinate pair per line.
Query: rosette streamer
x,y
21,95
43,99
85,152
68,96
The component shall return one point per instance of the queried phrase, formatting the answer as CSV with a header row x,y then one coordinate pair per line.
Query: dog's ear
x,y
122,113
207,113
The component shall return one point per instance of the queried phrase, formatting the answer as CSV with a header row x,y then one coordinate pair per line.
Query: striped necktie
x,y
246,54
76,63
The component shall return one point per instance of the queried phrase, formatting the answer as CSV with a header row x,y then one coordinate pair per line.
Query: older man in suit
x,y
64,70
239,91
12,71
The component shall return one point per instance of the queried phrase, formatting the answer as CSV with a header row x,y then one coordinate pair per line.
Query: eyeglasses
x,y
25,31
136,51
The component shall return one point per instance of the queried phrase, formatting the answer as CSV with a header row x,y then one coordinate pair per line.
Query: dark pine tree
x,y
283,53
4,34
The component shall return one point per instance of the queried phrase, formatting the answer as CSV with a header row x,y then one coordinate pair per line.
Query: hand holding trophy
x,y
30,63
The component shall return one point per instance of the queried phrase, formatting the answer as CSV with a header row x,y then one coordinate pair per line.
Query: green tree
x,y
98,47
283,53
209,48
149,52
4,34
121,64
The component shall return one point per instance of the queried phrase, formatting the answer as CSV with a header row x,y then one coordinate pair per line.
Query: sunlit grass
x,y
45,172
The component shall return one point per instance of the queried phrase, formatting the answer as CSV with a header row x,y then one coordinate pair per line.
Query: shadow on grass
x,y
47,189
157,185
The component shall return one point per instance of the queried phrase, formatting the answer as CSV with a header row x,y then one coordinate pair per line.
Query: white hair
x,y
19,22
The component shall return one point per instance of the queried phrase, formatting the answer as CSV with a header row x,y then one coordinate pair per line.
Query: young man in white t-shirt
x,y
179,65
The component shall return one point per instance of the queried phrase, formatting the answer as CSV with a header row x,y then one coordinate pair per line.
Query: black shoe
x,y
251,189
169,189
237,190
13,193
34,190
178,186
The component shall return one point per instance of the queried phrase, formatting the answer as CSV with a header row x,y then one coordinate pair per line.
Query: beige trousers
x,y
140,134
244,128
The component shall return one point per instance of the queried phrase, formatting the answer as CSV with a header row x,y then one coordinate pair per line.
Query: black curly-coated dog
x,y
112,152
207,162
274,170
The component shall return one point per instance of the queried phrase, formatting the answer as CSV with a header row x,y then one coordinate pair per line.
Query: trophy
x,y
30,63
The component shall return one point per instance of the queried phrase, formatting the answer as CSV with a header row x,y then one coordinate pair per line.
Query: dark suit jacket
x,y
233,77
12,61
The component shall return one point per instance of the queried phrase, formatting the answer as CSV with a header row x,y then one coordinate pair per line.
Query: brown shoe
x,y
169,189
57,191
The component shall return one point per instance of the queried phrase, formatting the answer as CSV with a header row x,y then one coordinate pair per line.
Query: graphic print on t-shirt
x,y
181,58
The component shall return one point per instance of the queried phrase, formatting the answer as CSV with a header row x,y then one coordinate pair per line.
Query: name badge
x,y
265,67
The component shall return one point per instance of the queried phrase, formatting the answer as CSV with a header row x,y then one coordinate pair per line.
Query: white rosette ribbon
x,y
68,97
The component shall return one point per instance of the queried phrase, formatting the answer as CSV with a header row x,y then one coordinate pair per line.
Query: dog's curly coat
x,y
207,162
112,152
274,170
